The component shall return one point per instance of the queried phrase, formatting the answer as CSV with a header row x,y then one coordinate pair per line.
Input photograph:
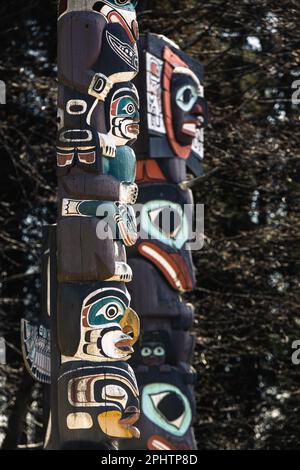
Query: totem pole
x,y
169,151
94,394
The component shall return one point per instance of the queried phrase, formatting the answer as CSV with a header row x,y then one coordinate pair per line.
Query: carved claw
x,y
128,193
107,145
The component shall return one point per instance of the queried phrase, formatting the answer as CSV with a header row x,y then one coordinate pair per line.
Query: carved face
x,y
124,114
153,354
109,328
104,399
187,106
184,108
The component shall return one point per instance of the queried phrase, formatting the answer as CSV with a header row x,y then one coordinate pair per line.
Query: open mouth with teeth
x,y
133,128
190,128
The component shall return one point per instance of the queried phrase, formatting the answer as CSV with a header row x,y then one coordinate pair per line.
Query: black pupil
x,y
187,96
111,311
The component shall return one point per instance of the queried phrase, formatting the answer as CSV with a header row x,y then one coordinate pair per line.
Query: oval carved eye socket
x,y
123,2
111,311
159,351
186,97
146,352
129,108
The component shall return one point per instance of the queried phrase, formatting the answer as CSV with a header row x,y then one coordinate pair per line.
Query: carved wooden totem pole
x,y
94,395
91,290
169,150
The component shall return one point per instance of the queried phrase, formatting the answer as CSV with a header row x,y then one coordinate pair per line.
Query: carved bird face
x,y
109,328
102,398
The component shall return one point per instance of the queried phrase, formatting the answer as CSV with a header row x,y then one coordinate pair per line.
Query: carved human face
x,y
187,106
153,354
124,114
109,328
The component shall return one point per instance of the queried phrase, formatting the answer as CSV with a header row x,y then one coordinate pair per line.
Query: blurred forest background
x,y
248,292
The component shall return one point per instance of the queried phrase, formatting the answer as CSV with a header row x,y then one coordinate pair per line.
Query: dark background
x,y
248,272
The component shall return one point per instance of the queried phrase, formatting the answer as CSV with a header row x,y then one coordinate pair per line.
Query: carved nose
x,y
197,109
135,30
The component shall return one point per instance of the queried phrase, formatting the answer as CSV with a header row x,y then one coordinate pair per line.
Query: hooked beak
x,y
112,424
130,325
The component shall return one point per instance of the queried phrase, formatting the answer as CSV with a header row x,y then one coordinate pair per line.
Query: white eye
x,y
111,311
159,351
186,97
146,352
129,108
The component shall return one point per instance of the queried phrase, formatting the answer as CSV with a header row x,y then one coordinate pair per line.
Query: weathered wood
x,y
97,395
174,113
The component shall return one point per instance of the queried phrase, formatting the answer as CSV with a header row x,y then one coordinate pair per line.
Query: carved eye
x,y
167,220
106,311
129,108
167,407
123,2
111,311
146,352
186,97
159,351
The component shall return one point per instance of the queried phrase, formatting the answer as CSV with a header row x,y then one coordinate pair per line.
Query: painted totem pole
x,y
169,150
94,395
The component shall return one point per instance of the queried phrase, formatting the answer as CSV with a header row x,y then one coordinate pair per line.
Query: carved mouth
x,y
127,423
133,128
190,128
152,361
113,426
124,345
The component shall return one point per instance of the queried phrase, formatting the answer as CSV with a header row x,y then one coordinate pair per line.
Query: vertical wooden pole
x,y
95,399
170,147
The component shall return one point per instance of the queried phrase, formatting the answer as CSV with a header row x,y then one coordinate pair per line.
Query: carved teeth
x,y
190,128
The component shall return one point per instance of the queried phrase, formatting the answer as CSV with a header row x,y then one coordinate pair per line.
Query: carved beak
x,y
130,325
112,424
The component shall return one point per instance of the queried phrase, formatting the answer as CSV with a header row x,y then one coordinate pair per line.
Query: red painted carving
x,y
171,61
